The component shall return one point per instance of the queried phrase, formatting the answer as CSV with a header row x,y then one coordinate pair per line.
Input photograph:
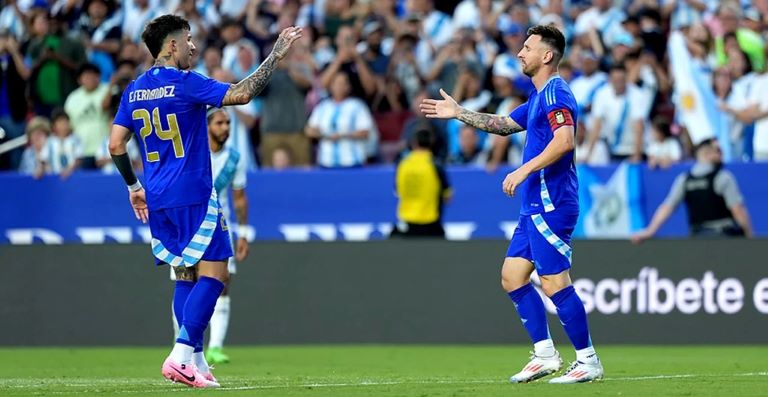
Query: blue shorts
x,y
544,239
183,236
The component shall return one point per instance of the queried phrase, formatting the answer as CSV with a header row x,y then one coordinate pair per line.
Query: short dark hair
x,y
88,67
158,29
619,67
550,35
58,113
424,138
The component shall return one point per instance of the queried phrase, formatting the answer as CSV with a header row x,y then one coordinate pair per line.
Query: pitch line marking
x,y
370,383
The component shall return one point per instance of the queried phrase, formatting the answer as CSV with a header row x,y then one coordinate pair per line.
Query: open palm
x,y
447,108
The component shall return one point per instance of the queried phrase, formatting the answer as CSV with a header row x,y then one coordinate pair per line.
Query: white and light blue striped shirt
x,y
342,118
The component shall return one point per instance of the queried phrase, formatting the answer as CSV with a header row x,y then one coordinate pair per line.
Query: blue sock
x,y
573,316
530,307
180,295
198,310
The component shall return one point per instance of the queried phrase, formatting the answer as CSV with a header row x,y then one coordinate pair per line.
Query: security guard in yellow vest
x,y
422,188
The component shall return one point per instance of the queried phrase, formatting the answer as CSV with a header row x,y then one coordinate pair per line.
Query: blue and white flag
x,y
694,98
611,209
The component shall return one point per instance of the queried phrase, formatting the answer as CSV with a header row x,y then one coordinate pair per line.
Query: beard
x,y
529,70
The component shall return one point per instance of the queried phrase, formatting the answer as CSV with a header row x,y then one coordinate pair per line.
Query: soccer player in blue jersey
x,y
548,188
165,108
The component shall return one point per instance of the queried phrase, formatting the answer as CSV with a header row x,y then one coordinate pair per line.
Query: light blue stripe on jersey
x,y
352,125
546,201
227,173
551,237
199,243
335,130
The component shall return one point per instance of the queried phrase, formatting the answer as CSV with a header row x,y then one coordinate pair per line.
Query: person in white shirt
x,y
619,112
342,124
585,86
604,18
88,117
663,150
62,152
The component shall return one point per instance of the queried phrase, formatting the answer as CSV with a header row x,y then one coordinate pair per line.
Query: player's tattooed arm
x,y
244,91
448,108
495,124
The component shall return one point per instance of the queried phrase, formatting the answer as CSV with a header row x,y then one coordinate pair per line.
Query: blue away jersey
x,y
555,186
165,108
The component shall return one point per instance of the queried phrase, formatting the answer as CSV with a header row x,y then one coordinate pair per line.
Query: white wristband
x,y
135,187
242,231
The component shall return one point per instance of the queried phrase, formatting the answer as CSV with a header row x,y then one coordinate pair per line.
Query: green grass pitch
x,y
383,370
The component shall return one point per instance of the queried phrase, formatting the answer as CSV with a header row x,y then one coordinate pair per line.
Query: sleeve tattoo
x,y
495,124
249,87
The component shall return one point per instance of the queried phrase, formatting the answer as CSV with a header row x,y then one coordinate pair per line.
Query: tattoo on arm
x,y
249,87
499,125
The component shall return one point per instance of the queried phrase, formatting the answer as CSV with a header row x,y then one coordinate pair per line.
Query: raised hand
x,y
447,108
285,40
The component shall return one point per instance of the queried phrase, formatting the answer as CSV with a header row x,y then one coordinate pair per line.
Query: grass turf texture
x,y
419,371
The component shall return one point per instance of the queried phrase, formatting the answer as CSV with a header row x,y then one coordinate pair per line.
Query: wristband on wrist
x,y
242,231
135,187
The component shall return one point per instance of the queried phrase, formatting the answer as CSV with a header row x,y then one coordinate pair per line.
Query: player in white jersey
x,y
229,171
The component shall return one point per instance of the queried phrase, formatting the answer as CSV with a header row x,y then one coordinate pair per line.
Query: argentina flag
x,y
694,99
611,201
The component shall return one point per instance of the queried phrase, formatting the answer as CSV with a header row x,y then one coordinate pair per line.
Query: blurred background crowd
x,y
348,93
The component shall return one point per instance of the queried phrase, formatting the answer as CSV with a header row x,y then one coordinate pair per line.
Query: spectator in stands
x,y
507,64
586,85
737,102
201,19
100,29
471,150
12,19
55,58
599,155
242,120
711,195
417,122
38,130
729,15
62,152
664,150
136,17
13,81
755,110
87,115
342,125
284,114
211,59
125,73
349,61
422,188
403,73
618,112
232,33
604,18
281,159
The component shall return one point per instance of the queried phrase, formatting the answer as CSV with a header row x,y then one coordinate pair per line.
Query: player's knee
x,y
553,285
511,282
185,273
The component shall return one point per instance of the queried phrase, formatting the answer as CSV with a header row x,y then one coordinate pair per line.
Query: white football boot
x,y
538,368
580,372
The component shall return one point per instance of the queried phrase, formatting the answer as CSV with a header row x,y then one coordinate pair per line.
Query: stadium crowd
x,y
348,93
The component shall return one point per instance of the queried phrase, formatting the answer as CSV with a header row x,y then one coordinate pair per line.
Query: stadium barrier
x,y
665,291
353,205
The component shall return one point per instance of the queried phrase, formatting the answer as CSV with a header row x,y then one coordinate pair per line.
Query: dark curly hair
x,y
158,30
552,36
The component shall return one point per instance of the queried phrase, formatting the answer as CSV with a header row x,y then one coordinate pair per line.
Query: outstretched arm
x,y
242,92
447,108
